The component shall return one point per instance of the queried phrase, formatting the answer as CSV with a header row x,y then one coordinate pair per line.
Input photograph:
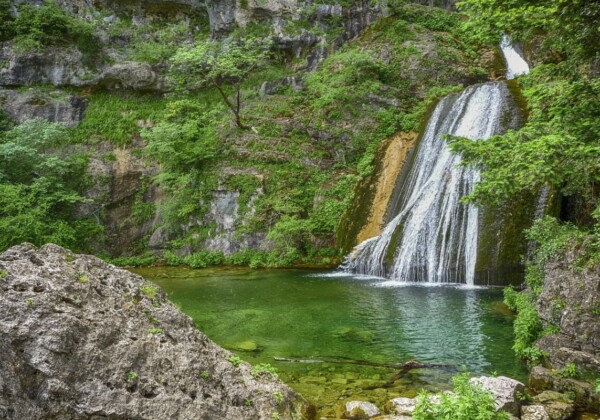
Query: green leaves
x,y
36,27
469,401
215,64
571,26
559,146
39,187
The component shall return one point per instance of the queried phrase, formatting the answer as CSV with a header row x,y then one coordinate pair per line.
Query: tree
x,y
212,64
40,185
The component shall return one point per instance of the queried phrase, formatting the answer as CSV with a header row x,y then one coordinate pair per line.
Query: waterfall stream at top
x,y
433,237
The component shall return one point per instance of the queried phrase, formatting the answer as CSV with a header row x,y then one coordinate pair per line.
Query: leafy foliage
x,y
558,147
34,28
40,186
218,65
552,239
572,26
469,401
186,139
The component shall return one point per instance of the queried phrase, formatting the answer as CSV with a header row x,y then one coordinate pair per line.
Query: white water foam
x,y
515,63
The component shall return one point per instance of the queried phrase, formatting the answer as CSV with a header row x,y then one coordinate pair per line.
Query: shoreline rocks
x,y
81,338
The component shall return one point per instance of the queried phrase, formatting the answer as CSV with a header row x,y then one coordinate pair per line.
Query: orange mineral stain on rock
x,y
397,149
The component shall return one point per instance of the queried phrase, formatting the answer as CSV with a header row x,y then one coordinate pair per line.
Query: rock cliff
x,y
570,305
82,339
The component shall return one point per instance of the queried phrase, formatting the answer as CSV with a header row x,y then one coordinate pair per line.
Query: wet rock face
x,y
80,338
53,106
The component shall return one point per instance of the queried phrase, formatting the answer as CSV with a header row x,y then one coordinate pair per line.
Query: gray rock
x,y
586,397
557,405
402,406
131,75
273,88
80,338
504,390
569,300
360,410
55,106
534,412
65,67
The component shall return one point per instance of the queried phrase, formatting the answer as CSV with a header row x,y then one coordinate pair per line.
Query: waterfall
x,y
515,63
433,236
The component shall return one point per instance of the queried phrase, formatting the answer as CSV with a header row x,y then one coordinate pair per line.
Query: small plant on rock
x,y
278,397
204,374
132,376
3,274
234,360
151,292
248,402
84,279
569,371
264,369
155,331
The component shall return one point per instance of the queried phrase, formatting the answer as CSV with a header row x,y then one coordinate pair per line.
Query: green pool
x,y
350,329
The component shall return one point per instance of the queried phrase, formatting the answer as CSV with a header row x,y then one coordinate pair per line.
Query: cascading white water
x,y
515,63
433,237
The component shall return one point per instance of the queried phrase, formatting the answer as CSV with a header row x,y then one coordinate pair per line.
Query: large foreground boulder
x,y
80,338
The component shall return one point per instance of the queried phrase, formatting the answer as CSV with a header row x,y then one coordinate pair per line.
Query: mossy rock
x,y
354,334
249,346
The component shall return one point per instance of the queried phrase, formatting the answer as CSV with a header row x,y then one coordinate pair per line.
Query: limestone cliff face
x,y
80,338
570,300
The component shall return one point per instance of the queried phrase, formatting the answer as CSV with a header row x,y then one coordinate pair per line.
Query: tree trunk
x,y
235,108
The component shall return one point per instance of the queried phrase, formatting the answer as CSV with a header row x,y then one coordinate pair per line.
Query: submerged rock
x,y
81,338
354,334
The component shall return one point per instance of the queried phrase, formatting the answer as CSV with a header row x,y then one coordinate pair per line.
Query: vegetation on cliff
x,y
314,133
558,148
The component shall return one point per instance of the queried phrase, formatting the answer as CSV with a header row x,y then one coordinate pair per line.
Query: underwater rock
x,y
504,390
80,338
248,346
354,334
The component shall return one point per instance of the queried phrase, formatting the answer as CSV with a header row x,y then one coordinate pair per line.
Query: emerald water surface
x,y
323,316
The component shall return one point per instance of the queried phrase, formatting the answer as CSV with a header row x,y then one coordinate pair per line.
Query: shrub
x,y
469,401
37,27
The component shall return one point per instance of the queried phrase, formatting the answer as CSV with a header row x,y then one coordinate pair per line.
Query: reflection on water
x,y
297,314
